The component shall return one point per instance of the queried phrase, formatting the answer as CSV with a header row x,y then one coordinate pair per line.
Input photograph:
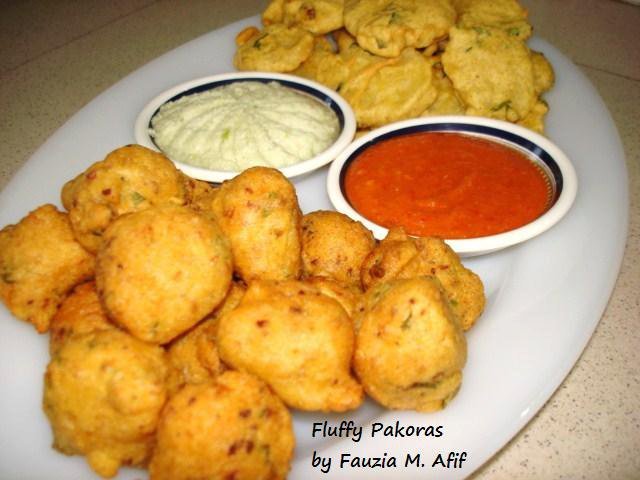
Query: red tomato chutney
x,y
446,185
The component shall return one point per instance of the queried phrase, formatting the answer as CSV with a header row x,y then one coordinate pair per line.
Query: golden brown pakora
x,y
334,246
387,27
492,72
401,256
277,48
129,179
410,348
258,211
40,262
316,16
234,427
162,270
103,393
297,340
507,15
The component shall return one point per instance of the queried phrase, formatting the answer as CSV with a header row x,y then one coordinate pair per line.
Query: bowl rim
x,y
477,245
322,93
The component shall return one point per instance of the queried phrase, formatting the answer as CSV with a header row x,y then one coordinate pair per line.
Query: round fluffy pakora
x,y
258,211
334,246
492,72
384,90
349,297
277,48
162,270
316,16
80,313
40,262
410,348
297,340
232,428
103,394
399,256
387,27
129,179
193,356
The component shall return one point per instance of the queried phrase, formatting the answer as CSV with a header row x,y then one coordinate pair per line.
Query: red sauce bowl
x,y
481,184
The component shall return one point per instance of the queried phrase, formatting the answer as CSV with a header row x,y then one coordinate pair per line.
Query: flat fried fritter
x,y
277,48
387,27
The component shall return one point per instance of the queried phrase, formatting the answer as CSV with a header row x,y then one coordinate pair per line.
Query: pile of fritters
x,y
186,320
399,59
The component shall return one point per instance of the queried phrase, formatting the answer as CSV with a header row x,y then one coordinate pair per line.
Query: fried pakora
x,y
492,72
162,270
103,393
277,48
507,15
234,427
334,246
316,16
324,65
40,262
383,90
410,348
129,179
258,211
297,340
387,27
399,256
81,312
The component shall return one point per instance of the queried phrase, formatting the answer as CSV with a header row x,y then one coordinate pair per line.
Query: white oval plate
x,y
321,93
544,297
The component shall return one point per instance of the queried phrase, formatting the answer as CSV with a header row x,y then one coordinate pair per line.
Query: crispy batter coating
x,y
193,356
129,179
535,118
316,16
103,394
80,313
410,348
334,246
387,27
277,48
384,90
40,262
492,72
232,428
258,211
508,15
297,340
399,256
161,270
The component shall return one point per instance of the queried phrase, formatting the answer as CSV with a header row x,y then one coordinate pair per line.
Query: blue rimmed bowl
x,y
556,167
322,94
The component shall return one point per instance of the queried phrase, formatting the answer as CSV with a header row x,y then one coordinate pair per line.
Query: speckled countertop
x,y
56,56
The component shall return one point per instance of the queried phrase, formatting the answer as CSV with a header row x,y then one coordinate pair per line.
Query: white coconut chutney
x,y
244,124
